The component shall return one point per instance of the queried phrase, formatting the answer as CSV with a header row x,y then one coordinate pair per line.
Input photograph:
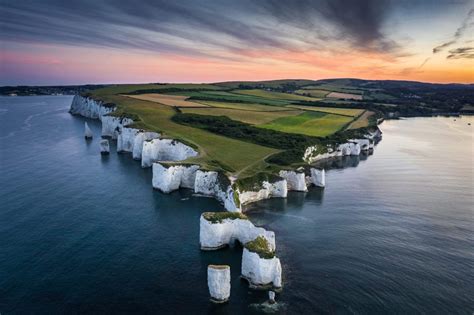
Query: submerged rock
x,y
104,146
218,281
87,131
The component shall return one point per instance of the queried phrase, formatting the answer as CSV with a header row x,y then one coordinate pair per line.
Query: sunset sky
x,y
104,41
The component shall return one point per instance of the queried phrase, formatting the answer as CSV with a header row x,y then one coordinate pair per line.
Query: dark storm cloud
x,y
460,31
461,53
360,21
172,26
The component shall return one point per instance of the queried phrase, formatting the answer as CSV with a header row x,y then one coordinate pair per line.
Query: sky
x,y
116,41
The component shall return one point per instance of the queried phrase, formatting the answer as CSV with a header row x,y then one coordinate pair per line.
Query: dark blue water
x,y
81,233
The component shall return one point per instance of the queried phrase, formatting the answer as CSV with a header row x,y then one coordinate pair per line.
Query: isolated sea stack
x,y
104,147
218,281
88,131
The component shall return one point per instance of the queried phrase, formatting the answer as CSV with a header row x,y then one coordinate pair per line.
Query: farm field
x,y
310,123
344,96
169,100
339,111
247,116
245,106
315,93
224,96
274,95
361,121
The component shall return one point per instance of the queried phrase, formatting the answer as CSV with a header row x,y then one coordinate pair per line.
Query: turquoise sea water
x,y
82,233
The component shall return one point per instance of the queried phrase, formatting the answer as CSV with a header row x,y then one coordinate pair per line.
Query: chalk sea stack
x,y
271,297
218,281
104,146
87,131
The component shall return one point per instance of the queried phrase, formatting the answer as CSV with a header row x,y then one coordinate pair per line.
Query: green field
x,y
339,111
245,106
310,123
223,96
247,116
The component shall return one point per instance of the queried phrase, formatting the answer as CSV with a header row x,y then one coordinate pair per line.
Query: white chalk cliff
x,y
261,272
168,179
295,180
218,282
318,177
208,183
278,189
88,107
165,150
220,234
139,140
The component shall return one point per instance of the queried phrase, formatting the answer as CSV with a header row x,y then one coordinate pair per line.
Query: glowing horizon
x,y
98,43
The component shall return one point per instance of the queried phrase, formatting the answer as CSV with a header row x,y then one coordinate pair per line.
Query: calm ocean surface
x,y
81,233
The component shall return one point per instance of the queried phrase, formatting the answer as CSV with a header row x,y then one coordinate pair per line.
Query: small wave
x,y
288,216
202,195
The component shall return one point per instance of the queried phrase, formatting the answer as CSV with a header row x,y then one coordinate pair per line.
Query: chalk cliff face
x,y
218,281
268,190
165,150
112,126
208,183
168,179
261,272
363,143
345,149
88,107
318,177
217,235
140,138
126,139
295,180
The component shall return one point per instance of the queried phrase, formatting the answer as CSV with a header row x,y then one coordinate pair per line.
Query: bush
x,y
261,247
218,217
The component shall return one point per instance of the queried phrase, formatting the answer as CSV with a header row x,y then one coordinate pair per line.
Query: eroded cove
x,y
88,232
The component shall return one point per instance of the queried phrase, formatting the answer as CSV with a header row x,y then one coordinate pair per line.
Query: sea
x,y
391,233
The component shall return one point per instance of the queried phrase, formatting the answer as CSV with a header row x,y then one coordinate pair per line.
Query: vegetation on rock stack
x,y
218,217
254,183
261,247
